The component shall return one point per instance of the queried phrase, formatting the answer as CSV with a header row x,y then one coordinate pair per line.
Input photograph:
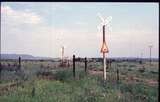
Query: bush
x,y
129,69
142,70
63,75
153,72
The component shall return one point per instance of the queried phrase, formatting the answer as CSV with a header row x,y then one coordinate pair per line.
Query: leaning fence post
x,y
74,66
19,62
0,71
117,76
85,60
33,88
110,61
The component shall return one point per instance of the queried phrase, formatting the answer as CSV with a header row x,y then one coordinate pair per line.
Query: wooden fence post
x,y
0,70
117,76
74,66
33,88
85,61
19,63
110,61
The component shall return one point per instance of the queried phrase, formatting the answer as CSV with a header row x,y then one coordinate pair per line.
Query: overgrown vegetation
x,y
61,86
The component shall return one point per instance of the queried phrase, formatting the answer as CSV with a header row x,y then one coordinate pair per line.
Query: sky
x,y
42,28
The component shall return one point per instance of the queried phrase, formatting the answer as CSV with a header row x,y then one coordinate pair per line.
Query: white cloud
x,y
17,17
24,32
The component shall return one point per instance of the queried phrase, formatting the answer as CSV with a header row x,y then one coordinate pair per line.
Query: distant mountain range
x,y
23,56
30,57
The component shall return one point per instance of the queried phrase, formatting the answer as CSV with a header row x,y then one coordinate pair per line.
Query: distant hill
x,y
30,57
23,56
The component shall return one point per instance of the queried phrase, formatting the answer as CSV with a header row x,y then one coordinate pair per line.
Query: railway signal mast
x,y
62,54
150,49
62,50
104,48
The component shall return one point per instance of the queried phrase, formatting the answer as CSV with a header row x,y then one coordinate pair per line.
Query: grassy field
x,y
47,82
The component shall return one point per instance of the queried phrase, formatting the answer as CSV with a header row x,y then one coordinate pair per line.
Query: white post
x,y
62,54
150,47
104,66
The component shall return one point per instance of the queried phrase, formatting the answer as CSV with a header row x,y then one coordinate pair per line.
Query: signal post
x,y
104,50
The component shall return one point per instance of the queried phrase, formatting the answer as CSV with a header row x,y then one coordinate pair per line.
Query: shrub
x,y
154,72
63,75
142,70
129,69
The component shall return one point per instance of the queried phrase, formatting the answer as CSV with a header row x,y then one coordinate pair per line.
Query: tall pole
x,y
62,54
150,47
103,33
74,66
104,48
104,57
